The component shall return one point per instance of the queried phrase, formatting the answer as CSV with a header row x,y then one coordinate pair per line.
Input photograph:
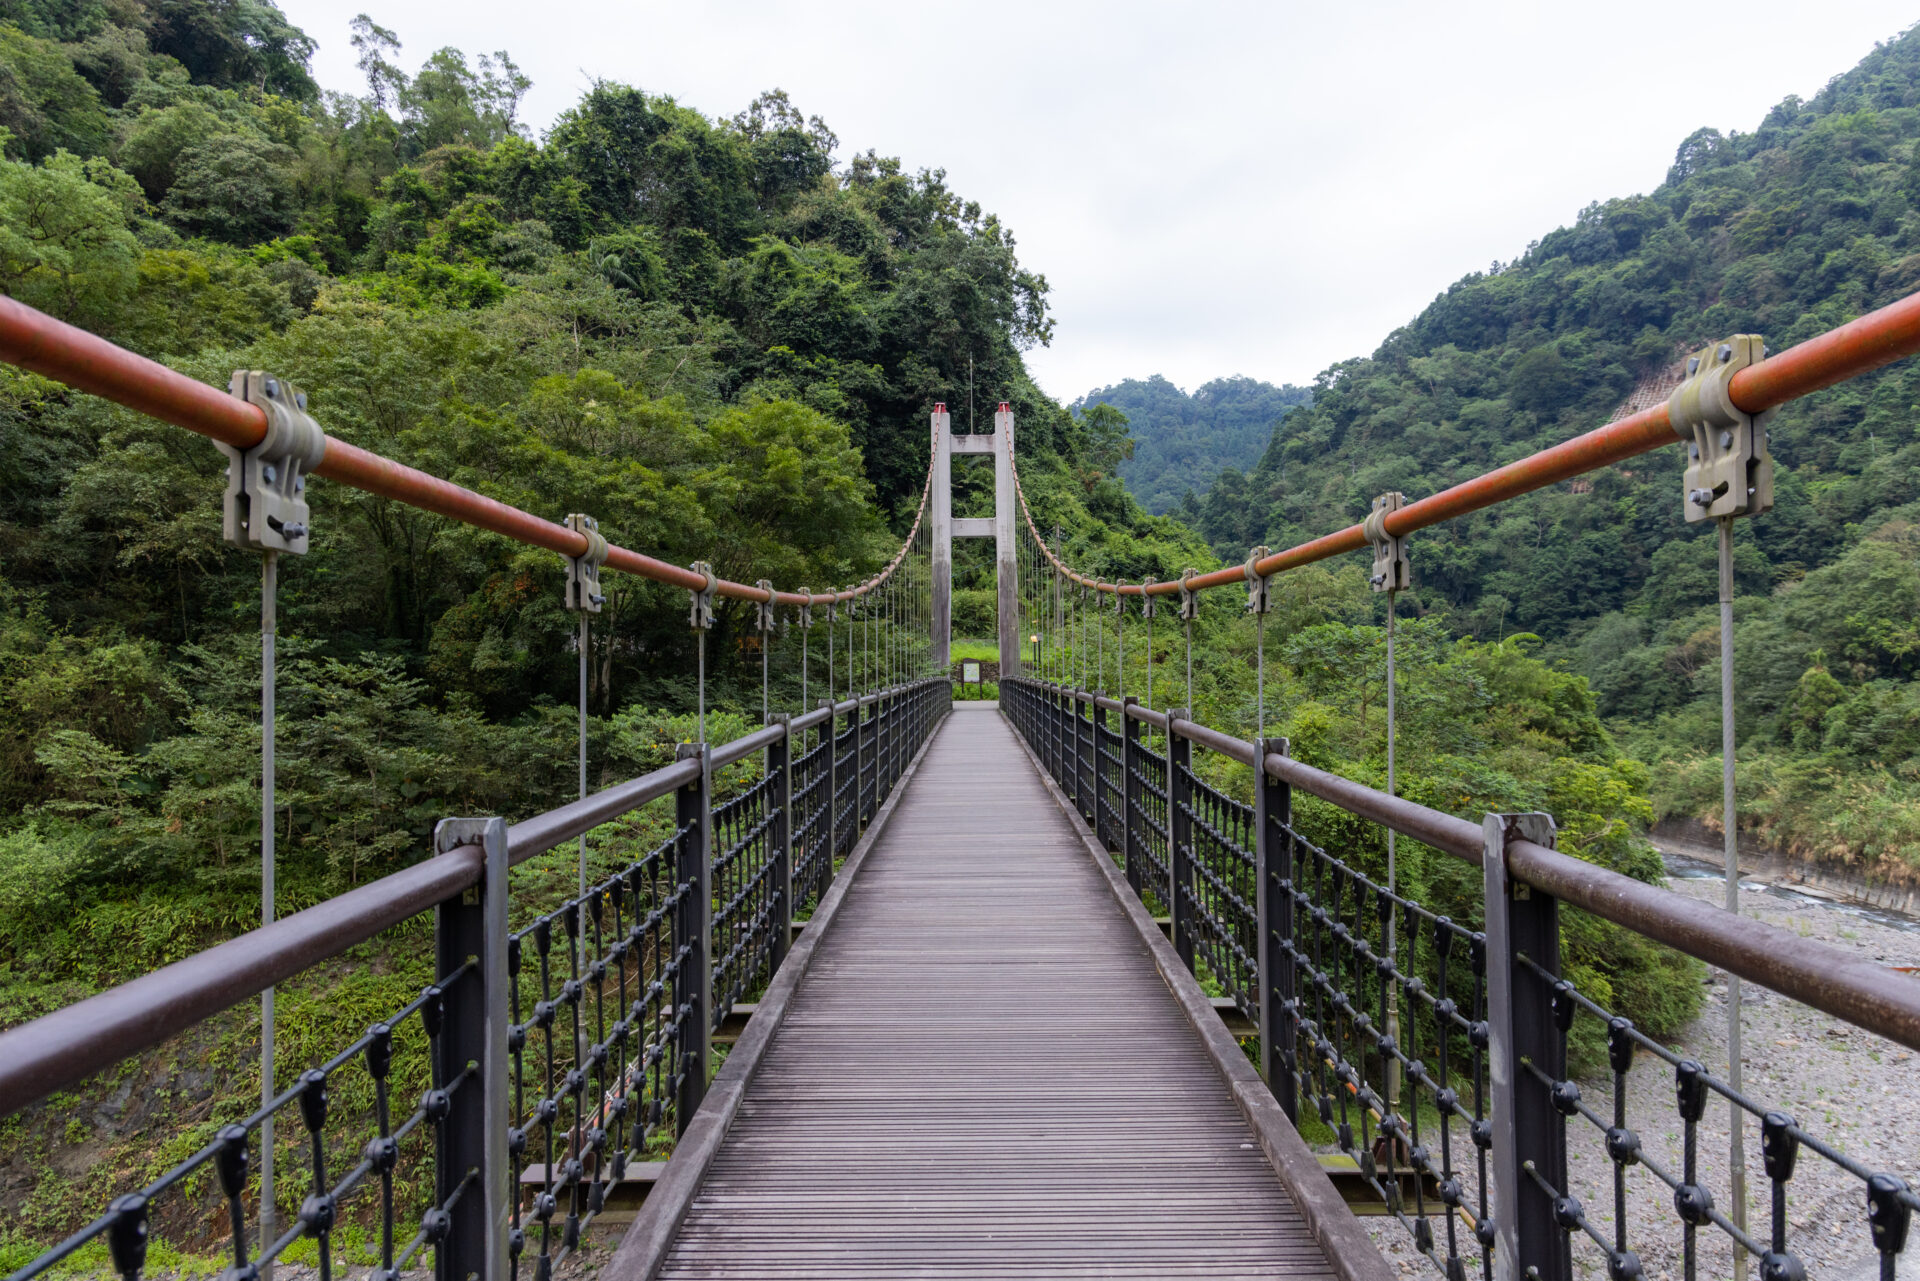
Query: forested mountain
x,y
1181,441
1800,225
714,334
708,332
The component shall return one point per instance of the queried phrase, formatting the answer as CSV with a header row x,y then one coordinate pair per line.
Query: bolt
x,y
299,484
1725,353
268,474
1700,497
1693,451
1726,440
300,399
1693,365
273,388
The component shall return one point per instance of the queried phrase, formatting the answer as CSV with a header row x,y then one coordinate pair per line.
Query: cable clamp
x,y
1259,597
803,616
1729,471
1392,572
1146,601
766,608
702,617
265,507
1189,598
583,571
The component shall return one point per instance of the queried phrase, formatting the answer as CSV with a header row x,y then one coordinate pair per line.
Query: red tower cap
x,y
1005,407
939,406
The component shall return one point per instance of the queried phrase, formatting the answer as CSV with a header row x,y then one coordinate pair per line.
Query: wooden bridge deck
x,y
982,1074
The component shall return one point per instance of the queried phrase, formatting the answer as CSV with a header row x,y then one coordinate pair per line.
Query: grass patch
x,y
975,651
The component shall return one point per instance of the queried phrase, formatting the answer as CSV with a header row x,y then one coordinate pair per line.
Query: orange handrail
x,y
87,362
1857,347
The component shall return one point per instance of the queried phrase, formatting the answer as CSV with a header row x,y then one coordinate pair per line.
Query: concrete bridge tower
x,y
1000,528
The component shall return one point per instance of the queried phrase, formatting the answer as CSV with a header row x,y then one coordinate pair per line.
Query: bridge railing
x,y
1434,1054
550,1066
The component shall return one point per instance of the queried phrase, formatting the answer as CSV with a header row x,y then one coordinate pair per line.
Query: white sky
x,y
1210,188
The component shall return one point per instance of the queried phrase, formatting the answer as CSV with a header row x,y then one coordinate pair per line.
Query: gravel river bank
x,y
1856,1090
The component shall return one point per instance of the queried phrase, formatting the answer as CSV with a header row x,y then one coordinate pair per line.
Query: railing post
x,y
1130,795
833,782
859,767
476,1017
1273,909
1179,838
1088,759
1102,825
780,770
693,933
1528,1131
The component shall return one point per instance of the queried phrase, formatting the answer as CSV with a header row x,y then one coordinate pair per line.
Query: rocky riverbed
x,y
1855,1090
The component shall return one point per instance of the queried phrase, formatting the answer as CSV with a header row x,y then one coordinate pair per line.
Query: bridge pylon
x,y
1000,528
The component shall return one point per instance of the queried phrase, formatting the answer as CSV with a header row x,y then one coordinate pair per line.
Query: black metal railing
x,y
1434,1054
554,1055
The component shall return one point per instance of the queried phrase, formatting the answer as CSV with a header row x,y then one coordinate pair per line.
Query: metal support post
x,y
1392,574
693,933
583,597
1097,780
833,784
1273,909
1729,474
765,617
1189,610
472,929
780,770
1180,837
1130,842
265,509
1529,1132
859,767
700,617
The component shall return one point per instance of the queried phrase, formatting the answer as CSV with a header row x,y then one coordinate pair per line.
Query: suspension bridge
x,y
921,989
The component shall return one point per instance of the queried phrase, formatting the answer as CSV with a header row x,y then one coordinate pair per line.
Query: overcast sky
x,y
1210,188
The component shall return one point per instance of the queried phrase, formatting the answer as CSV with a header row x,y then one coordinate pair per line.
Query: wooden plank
x,y
982,1074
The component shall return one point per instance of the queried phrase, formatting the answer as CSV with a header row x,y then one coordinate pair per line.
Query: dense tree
x,y
1183,442
1786,231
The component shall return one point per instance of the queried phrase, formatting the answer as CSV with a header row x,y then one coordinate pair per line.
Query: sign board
x,y
970,673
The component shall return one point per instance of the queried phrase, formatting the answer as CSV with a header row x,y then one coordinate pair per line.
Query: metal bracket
x,y
1392,572
1259,598
265,506
767,608
803,616
583,571
1146,601
702,616
1729,471
1189,598
1119,601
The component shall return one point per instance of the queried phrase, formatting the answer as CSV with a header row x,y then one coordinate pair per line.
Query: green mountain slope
x,y
1798,226
1181,441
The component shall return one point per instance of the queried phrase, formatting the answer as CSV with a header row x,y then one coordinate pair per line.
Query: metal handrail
x,y
77,1040
1857,347
35,341
1816,974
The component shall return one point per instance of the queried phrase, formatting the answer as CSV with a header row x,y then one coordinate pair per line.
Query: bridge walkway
x,y
982,1073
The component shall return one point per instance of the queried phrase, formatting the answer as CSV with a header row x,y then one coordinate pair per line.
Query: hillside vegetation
x,y
1806,222
716,334
1181,441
